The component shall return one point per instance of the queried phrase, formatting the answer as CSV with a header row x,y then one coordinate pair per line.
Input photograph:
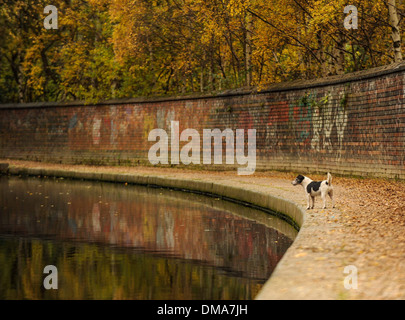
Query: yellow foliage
x,y
118,48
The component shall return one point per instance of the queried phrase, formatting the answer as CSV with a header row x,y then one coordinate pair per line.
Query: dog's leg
x,y
331,197
313,202
309,201
324,200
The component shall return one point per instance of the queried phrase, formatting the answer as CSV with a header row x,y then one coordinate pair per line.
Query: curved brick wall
x,y
351,124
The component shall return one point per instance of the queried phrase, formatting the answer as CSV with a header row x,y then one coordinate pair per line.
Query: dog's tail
x,y
329,179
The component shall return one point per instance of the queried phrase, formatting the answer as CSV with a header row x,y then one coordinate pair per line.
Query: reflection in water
x,y
111,241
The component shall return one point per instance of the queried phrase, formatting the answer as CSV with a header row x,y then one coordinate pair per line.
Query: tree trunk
x,y
339,54
202,79
396,34
20,79
248,49
323,71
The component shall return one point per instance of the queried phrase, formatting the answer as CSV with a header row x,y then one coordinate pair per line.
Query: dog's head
x,y
298,180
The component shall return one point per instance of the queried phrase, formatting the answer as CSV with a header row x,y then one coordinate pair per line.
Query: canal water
x,y
117,241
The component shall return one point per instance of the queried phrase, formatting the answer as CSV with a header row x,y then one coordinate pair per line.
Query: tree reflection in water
x,y
111,241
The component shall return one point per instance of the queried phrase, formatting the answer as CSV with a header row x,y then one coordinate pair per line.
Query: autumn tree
x,y
124,48
396,34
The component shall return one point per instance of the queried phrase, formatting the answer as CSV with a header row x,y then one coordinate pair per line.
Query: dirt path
x,y
366,230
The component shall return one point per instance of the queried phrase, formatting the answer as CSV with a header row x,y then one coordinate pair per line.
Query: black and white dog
x,y
316,188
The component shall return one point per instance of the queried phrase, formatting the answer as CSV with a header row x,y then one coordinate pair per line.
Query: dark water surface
x,y
115,241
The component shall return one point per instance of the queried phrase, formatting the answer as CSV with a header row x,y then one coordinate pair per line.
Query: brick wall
x,y
351,124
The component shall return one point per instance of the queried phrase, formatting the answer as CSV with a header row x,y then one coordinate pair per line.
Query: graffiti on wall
x,y
329,113
300,116
309,122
